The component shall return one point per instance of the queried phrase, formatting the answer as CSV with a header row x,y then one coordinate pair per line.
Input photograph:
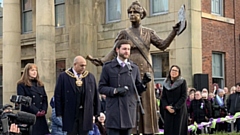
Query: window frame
x,y
159,13
160,54
221,78
215,5
107,17
58,4
24,12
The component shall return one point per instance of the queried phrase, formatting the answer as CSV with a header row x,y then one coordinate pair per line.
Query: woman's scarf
x,y
167,83
219,100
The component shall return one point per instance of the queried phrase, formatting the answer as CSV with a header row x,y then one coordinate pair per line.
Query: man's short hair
x,y
237,84
122,41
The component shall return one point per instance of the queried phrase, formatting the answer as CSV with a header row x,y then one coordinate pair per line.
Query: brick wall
x,y
218,36
237,38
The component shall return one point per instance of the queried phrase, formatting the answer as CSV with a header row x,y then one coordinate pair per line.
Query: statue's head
x,y
138,8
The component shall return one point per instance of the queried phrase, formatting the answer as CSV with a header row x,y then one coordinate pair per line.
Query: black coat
x,y
200,110
218,111
175,95
39,102
66,99
233,105
120,111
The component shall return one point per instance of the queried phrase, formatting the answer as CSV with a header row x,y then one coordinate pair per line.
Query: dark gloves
x,y
122,91
146,78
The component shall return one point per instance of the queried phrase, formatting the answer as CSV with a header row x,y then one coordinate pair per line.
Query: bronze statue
x,y
141,38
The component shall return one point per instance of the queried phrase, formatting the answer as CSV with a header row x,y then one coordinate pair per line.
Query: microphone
x,y
25,118
129,66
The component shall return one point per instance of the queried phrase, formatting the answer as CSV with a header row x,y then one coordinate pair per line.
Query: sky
x,y
1,1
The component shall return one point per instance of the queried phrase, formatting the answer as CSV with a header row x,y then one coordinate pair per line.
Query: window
x,y
26,16
60,67
218,69
25,62
59,13
158,7
1,19
113,10
160,63
217,7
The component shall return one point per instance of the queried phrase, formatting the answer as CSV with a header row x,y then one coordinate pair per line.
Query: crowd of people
x,y
203,105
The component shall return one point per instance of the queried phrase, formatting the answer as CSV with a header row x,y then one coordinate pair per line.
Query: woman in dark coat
x,y
174,103
30,85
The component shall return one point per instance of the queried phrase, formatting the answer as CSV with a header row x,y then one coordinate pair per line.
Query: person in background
x,y
219,110
101,124
204,93
13,129
233,89
31,85
199,110
226,95
56,121
158,94
174,102
188,102
95,130
211,96
234,105
158,90
215,88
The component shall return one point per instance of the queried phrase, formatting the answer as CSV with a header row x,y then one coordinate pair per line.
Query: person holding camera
x,y
30,85
13,129
117,82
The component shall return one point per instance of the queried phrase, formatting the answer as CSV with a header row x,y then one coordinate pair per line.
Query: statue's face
x,y
134,15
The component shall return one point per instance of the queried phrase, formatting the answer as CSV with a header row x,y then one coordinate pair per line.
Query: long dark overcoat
x,y
175,95
148,122
65,100
39,102
120,110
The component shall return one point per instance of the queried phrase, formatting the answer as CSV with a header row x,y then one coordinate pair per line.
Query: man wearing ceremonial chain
x,y
77,98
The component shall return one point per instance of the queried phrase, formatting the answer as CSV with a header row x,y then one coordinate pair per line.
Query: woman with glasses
x,y
174,101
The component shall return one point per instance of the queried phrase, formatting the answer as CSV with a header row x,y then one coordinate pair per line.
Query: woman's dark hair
x,y
169,72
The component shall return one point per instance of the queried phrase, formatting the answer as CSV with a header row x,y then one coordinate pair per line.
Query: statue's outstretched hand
x,y
95,61
176,27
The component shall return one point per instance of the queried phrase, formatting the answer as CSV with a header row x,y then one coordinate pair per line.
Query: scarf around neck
x,y
167,83
219,100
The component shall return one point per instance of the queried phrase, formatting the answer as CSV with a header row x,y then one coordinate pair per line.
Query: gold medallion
x,y
79,82
78,79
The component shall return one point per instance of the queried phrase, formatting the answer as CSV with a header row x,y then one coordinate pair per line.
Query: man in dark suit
x,y
77,98
117,82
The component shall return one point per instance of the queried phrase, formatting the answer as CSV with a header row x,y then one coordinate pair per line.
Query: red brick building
x,y
221,41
